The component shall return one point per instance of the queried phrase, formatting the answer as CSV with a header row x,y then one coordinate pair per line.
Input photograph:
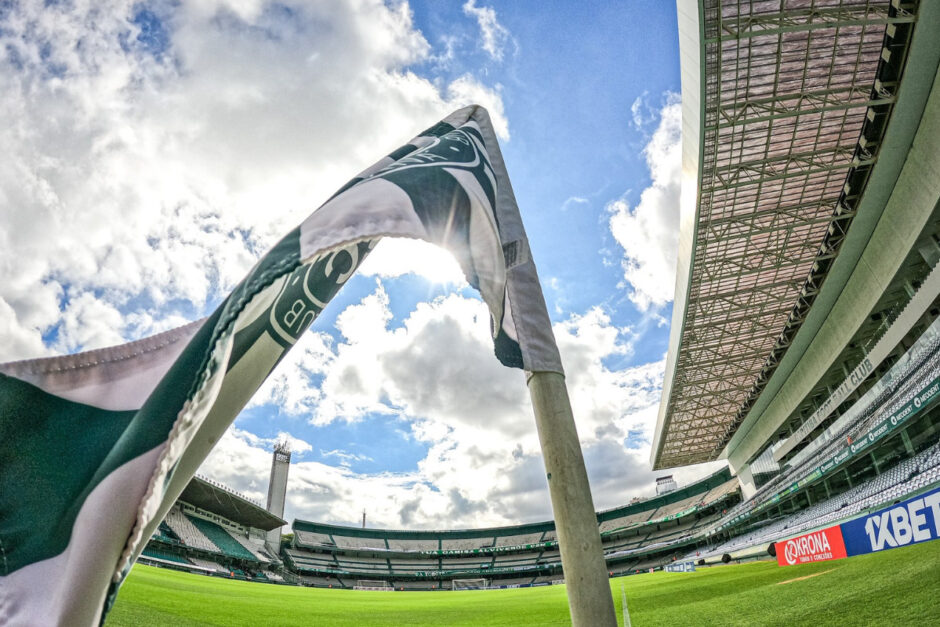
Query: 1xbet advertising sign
x,y
818,546
909,522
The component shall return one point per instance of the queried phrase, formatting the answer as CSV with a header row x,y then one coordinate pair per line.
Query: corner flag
x,y
95,447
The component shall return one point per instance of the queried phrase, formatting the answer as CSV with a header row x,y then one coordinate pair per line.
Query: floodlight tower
x,y
277,490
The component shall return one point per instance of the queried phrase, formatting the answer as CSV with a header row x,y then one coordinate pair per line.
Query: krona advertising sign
x,y
826,544
906,522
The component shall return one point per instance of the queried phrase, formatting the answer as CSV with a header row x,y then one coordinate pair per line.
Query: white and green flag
x,y
95,447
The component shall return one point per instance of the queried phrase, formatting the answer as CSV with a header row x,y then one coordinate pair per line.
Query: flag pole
x,y
589,598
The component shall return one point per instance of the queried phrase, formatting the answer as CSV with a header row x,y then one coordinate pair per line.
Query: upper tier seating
x,y
528,538
413,545
359,543
312,539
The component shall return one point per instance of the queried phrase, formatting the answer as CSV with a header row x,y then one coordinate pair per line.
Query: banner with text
x,y
909,522
818,546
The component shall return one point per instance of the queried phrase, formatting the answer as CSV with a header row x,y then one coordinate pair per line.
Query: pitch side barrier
x,y
887,426
680,567
912,521
508,586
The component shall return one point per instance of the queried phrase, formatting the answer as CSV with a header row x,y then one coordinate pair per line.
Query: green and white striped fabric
x,y
95,447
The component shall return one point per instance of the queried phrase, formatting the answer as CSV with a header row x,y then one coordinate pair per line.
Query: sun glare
x,y
394,257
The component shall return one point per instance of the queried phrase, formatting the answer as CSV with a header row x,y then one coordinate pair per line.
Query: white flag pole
x,y
589,597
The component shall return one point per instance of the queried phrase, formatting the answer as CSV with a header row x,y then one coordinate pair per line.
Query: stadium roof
x,y
784,104
220,500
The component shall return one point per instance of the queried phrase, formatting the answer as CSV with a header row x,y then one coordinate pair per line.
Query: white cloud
x,y
649,231
641,111
296,445
150,167
494,35
436,373
467,90
142,179
346,458
574,201
89,322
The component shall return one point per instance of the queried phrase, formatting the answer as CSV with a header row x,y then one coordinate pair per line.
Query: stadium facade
x,y
809,219
213,530
645,534
805,339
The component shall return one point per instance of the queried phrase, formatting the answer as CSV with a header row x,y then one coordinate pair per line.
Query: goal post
x,y
369,584
469,584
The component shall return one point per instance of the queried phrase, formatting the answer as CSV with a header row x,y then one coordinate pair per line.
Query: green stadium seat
x,y
221,538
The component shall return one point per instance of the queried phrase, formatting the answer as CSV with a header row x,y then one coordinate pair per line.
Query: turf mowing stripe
x,y
780,583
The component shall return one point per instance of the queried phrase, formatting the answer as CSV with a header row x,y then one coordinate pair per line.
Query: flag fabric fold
x,y
95,447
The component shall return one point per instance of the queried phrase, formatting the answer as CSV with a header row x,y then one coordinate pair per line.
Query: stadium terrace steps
x,y
166,534
304,560
529,538
359,543
187,532
412,545
466,544
248,546
222,540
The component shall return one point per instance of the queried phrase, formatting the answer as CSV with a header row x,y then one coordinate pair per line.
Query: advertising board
x,y
818,546
680,567
911,521
908,522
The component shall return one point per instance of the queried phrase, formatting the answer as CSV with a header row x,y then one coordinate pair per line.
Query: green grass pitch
x,y
897,587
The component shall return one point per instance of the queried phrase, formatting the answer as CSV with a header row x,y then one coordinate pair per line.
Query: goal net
x,y
367,584
469,584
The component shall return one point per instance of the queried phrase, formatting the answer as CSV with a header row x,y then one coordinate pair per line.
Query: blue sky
x,y
153,158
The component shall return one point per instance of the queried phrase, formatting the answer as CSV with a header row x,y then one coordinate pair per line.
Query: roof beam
x,y
738,114
806,20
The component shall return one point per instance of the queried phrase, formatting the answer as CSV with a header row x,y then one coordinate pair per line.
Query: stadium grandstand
x,y
805,340
805,332
216,531
645,534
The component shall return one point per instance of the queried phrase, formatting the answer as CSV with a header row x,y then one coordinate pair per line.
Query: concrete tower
x,y
277,490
